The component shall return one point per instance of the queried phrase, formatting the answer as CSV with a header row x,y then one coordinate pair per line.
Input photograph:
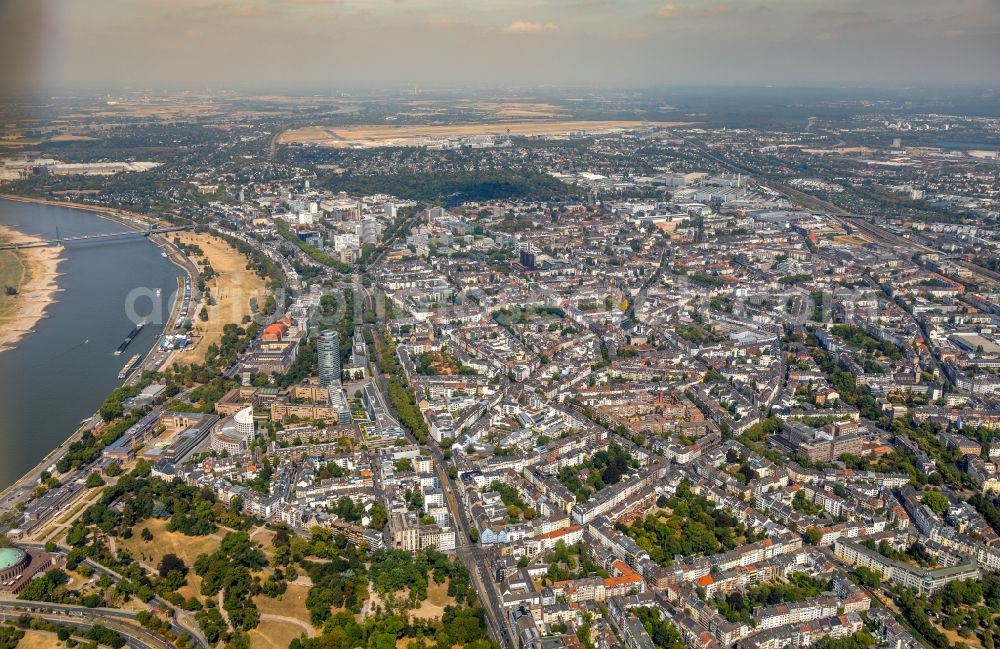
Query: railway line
x,y
871,230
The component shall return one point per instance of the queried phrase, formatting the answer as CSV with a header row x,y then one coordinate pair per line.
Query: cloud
x,y
671,10
250,9
525,27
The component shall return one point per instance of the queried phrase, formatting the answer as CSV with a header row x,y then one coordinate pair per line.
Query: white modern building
x,y
234,434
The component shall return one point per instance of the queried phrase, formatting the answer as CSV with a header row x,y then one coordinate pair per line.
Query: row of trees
x,y
11,636
860,640
89,446
257,261
458,627
402,397
313,252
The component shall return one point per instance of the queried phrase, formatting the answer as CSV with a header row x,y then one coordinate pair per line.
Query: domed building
x,y
12,562
234,434
18,566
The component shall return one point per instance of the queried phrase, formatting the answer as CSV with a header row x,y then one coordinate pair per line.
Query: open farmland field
x,y
515,110
19,141
151,111
376,135
68,137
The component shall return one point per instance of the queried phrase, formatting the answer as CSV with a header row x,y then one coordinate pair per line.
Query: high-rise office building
x,y
369,230
328,349
527,259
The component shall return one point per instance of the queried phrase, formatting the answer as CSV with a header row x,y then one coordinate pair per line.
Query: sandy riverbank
x,y
33,272
22,487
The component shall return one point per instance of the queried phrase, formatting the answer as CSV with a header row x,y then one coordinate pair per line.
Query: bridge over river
x,y
58,241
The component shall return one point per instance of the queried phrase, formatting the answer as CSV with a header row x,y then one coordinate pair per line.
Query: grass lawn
x,y
76,581
188,548
263,537
164,542
274,635
231,289
39,640
291,604
974,642
437,599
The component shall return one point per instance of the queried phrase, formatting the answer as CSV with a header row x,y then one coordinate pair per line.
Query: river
x,y
60,374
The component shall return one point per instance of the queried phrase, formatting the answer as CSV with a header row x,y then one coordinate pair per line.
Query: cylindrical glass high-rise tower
x,y
328,350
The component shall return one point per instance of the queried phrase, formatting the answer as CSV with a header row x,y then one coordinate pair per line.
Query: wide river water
x,y
60,374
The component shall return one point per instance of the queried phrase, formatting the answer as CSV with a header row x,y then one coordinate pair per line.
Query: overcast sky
x,y
328,44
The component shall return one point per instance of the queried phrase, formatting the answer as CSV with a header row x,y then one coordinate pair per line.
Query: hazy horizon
x,y
53,45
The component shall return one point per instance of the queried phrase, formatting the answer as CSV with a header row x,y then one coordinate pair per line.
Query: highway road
x,y
183,621
123,622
